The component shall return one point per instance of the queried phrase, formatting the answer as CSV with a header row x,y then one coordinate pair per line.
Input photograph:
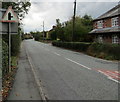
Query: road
x,y
68,75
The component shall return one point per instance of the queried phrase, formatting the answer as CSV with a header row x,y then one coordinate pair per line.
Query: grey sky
x,y
50,11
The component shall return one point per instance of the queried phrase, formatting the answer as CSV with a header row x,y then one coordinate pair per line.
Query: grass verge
x,y
8,79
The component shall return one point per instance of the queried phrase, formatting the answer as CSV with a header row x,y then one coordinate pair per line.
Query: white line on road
x,y
43,96
109,77
78,63
56,53
113,80
116,71
47,49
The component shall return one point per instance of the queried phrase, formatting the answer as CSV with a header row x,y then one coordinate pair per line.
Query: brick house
x,y
106,28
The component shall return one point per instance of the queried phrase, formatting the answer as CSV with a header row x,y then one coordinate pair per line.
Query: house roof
x,y
106,30
113,12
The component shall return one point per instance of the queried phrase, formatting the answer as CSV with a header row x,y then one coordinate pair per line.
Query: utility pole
x,y
73,31
43,30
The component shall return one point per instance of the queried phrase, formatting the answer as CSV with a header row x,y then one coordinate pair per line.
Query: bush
x,y
107,51
81,46
15,45
4,58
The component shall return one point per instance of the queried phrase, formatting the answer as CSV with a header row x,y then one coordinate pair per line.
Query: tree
x,y
83,25
21,8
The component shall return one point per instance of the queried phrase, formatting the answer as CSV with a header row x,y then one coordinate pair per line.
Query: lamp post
x,y
73,31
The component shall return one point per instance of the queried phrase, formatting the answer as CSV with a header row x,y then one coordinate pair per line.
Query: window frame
x,y
115,21
100,24
115,39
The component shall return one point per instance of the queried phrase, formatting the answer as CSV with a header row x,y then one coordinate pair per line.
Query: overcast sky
x,y
50,10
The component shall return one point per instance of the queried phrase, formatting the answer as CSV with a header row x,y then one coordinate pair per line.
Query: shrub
x,y
107,51
81,46
15,45
4,58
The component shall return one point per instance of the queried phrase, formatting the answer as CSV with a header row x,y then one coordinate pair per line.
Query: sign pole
x,y
9,22
9,33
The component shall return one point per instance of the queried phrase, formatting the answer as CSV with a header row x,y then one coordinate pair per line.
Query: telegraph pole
x,y
73,31
43,30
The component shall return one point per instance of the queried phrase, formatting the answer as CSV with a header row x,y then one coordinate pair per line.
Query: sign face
x,y
5,18
10,16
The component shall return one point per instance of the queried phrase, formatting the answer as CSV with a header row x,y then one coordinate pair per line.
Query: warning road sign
x,y
10,16
6,17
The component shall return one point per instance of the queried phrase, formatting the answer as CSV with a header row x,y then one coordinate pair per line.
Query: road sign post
x,y
9,25
9,34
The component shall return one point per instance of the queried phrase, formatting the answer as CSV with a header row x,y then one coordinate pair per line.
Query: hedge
x,y
4,58
81,46
106,51
101,50
15,45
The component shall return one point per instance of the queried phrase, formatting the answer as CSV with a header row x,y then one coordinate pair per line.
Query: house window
x,y
115,21
100,24
115,40
100,39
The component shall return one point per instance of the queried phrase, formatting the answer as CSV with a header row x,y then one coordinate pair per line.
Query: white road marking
x,y
114,80
109,77
116,71
43,96
47,49
114,74
56,53
78,63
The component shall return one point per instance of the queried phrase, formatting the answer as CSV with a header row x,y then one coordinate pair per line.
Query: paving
x,y
25,87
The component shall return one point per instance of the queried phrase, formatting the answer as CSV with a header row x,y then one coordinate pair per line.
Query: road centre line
x,y
47,49
56,53
78,63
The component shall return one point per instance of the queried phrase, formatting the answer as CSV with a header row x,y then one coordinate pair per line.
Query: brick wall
x,y
106,23
107,39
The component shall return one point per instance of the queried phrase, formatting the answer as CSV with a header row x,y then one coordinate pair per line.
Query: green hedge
x,y
4,58
81,46
106,51
15,45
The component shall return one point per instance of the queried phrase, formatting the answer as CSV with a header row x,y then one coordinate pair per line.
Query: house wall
x,y
106,23
119,21
107,39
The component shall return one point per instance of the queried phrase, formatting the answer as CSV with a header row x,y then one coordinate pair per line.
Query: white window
x,y
100,39
114,21
115,40
100,24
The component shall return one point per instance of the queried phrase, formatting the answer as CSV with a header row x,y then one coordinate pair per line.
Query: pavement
x,y
25,87
61,74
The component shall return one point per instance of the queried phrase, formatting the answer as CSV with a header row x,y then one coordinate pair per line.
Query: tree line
x,y
64,31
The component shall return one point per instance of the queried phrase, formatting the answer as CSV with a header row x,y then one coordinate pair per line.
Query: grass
x,y
9,78
14,60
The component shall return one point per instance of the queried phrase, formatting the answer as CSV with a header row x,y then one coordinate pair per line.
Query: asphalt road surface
x,y
62,74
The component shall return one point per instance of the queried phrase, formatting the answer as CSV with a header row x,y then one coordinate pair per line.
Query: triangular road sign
x,y
10,16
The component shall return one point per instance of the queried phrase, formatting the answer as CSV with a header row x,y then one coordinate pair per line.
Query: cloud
x,y
50,11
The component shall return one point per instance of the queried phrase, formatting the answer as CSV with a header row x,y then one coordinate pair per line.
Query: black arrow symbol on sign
x,y
9,16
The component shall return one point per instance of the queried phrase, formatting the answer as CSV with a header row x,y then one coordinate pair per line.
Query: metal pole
x,y
73,32
9,34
